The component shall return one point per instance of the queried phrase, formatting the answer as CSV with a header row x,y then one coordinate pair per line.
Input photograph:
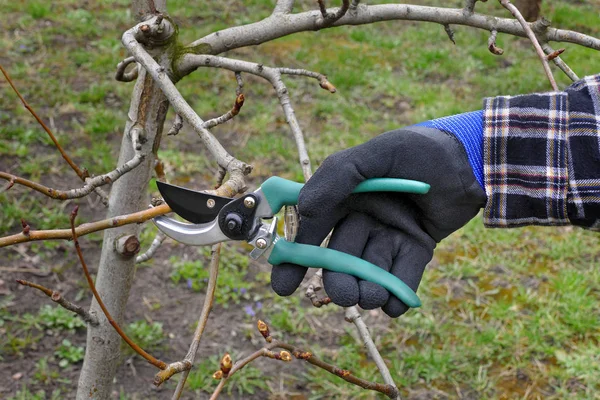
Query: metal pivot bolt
x,y
249,202
210,203
261,243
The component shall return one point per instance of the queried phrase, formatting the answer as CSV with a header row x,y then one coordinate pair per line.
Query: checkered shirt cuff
x,y
542,158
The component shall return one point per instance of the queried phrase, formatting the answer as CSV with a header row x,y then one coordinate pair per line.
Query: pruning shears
x,y
216,219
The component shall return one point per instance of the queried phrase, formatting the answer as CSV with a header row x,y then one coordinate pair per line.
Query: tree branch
x,y
273,27
81,173
389,390
237,106
560,63
283,7
90,183
148,357
190,62
57,298
84,229
353,315
492,47
158,239
176,127
538,49
208,303
129,76
224,159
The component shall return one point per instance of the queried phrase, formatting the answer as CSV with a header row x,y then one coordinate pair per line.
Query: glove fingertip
x,y
394,307
285,278
341,288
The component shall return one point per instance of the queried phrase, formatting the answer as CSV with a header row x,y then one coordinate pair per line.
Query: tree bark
x,y
148,110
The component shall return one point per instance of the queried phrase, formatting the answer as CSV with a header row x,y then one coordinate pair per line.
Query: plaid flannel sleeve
x,y
541,156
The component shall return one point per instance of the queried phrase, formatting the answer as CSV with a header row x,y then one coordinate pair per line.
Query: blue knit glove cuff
x,y
468,129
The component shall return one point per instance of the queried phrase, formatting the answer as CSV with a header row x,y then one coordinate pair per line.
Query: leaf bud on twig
x,y
264,330
218,375
226,364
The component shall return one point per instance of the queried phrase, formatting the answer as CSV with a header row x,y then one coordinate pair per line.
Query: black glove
x,y
394,231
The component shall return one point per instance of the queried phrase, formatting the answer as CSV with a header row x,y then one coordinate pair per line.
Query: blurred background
x,y
507,314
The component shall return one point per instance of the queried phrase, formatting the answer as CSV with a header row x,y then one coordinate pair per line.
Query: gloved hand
x,y
394,231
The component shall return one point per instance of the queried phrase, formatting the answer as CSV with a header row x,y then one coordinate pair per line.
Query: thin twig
x,y
492,44
240,83
158,239
273,75
237,106
560,63
177,125
354,5
353,315
57,298
157,363
323,82
129,76
449,32
538,49
81,173
84,229
208,302
389,390
90,183
330,18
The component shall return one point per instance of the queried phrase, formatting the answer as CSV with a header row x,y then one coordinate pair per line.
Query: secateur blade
x,y
192,206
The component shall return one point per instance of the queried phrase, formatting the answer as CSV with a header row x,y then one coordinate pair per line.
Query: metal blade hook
x,y
192,234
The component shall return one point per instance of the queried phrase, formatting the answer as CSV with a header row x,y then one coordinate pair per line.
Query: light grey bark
x,y
115,271
147,112
279,25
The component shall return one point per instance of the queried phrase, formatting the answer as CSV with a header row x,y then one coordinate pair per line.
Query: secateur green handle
x,y
280,192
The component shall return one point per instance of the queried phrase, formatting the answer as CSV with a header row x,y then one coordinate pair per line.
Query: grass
x,y
507,313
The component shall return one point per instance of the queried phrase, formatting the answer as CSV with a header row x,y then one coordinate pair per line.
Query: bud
x,y
226,364
285,355
218,375
264,330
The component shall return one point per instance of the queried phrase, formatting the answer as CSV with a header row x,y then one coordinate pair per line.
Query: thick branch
x,y
224,159
274,27
57,298
84,229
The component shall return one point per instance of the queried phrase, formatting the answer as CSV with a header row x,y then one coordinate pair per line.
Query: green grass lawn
x,y
507,314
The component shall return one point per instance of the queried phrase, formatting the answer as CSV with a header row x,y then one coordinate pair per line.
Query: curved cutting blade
x,y
193,206
192,234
